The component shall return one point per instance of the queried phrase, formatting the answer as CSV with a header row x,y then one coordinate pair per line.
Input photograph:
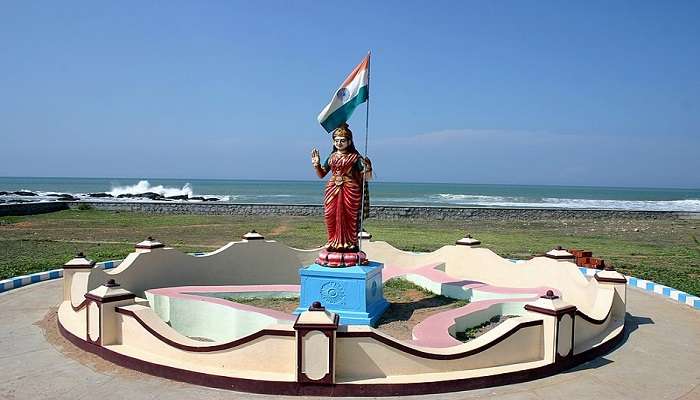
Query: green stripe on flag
x,y
343,113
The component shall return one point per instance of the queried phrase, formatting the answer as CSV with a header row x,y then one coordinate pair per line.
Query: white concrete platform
x,y
659,359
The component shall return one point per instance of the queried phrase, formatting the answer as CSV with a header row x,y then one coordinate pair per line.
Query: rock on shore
x,y
63,196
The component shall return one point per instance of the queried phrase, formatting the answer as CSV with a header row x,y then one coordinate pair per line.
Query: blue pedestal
x,y
355,293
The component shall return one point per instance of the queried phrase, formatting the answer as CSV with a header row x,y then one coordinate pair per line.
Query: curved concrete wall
x,y
484,265
255,262
206,319
366,358
269,356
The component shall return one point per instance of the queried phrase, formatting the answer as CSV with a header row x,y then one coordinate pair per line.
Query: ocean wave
x,y
145,187
481,200
642,205
141,187
688,205
399,200
503,200
470,197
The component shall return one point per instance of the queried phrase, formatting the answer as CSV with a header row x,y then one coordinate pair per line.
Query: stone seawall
x,y
32,208
379,212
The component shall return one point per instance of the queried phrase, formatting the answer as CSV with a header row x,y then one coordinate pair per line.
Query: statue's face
x,y
341,143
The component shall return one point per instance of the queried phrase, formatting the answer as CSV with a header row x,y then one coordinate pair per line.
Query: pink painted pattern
x,y
434,330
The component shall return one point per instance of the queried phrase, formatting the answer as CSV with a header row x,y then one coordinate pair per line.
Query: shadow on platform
x,y
632,323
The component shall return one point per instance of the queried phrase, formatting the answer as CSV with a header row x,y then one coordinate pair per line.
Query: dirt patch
x,y
279,229
22,224
409,305
399,320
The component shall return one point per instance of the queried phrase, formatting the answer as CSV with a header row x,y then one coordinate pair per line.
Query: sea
x,y
381,193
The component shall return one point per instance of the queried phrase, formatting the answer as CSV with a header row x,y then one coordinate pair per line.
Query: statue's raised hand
x,y
315,157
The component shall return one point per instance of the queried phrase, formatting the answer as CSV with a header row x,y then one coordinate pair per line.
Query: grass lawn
x,y
666,251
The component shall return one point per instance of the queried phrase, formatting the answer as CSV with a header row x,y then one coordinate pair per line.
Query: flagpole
x,y
362,199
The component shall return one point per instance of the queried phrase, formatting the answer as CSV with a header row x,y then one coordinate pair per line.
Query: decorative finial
x,y
363,234
80,261
560,253
111,283
468,240
549,295
149,244
253,235
316,306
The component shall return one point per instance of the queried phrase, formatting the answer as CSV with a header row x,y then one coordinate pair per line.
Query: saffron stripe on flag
x,y
342,114
361,66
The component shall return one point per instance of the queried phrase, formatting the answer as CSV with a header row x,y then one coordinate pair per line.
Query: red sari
x,y
342,201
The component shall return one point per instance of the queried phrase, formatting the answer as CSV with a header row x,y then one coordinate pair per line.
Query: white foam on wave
x,y
219,198
642,205
40,193
398,200
688,205
470,197
144,187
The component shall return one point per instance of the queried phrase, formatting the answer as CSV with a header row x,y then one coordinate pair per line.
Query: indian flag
x,y
353,92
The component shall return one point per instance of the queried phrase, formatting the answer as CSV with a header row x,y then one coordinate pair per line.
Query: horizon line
x,y
374,181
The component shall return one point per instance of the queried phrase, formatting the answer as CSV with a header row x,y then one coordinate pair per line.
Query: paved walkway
x,y
659,359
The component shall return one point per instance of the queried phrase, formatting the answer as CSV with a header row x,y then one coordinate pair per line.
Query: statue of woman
x,y
342,198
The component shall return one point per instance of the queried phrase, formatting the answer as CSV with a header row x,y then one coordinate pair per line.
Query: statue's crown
x,y
343,131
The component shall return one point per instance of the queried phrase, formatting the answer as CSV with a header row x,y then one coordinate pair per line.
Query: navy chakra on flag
x,y
343,94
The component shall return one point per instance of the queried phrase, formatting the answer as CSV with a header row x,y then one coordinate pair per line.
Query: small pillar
x,y
79,264
253,235
148,245
611,277
101,323
468,241
315,334
558,328
560,254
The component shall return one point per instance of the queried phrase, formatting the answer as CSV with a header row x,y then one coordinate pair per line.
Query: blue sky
x,y
586,93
